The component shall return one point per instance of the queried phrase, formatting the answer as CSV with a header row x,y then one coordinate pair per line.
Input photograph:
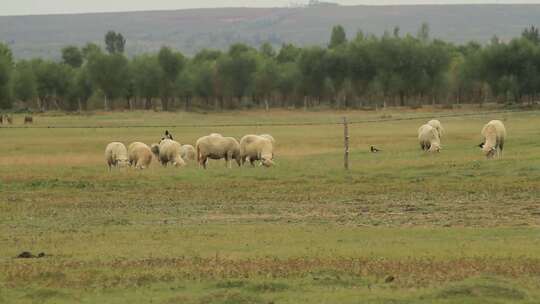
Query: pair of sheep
x,y
251,148
493,133
137,155
429,136
169,151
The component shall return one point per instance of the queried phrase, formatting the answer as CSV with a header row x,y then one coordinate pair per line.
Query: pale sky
x,y
33,7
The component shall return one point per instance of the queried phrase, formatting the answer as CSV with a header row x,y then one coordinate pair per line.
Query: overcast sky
x,y
32,7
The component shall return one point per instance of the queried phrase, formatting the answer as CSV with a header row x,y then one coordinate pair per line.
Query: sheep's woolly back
x,y
188,152
428,136
256,147
217,146
494,134
170,152
140,155
115,152
268,136
437,125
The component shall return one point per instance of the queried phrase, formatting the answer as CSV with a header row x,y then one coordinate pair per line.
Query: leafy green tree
x,y
338,38
6,67
267,50
109,73
115,43
54,81
288,53
24,82
90,49
531,33
171,64
82,89
312,68
266,80
147,78
237,70
72,56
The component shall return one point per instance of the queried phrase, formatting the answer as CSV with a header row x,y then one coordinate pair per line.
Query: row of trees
x,y
367,70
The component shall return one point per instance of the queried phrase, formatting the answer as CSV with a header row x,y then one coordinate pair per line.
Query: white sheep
x,y
270,137
437,125
494,134
169,152
429,139
257,147
215,146
188,152
140,155
116,155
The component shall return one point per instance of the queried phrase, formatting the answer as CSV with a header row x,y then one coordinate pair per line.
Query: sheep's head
x,y
155,149
267,161
481,145
123,163
490,152
435,147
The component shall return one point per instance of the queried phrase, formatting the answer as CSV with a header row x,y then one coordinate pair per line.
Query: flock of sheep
x,y
494,134
251,148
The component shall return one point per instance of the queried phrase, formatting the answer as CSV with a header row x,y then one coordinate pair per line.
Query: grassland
x,y
400,227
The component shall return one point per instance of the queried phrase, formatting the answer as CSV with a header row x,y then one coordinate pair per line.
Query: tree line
x,y
366,71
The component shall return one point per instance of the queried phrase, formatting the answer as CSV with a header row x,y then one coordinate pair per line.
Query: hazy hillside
x,y
191,30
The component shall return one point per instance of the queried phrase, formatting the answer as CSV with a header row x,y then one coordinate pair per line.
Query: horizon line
x,y
267,7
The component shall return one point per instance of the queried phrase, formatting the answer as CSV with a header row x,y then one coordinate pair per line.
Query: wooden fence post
x,y
346,138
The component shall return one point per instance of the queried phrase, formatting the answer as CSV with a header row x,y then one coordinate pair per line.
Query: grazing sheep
x,y
429,139
494,134
270,137
139,155
215,146
169,152
28,119
255,147
116,155
188,152
437,125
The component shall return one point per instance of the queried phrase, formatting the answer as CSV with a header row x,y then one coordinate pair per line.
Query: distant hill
x,y
192,30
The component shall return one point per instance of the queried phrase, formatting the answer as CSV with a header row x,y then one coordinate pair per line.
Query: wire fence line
x,y
284,124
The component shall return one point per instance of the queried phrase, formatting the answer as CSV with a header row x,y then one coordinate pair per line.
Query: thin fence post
x,y
346,139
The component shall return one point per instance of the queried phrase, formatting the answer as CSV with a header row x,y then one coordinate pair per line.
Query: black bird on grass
x,y
374,150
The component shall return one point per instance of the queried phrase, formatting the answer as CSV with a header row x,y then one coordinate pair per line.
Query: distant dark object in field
x,y
28,119
9,119
374,150
29,255
481,145
1,119
389,279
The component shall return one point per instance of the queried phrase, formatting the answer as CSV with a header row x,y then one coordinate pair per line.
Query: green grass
x,y
448,228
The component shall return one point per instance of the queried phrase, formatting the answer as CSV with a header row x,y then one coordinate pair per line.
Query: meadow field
x,y
401,226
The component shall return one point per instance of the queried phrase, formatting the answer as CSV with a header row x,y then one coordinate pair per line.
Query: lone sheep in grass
x,y
116,155
188,152
28,119
257,147
429,139
139,155
494,134
215,146
437,125
169,152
